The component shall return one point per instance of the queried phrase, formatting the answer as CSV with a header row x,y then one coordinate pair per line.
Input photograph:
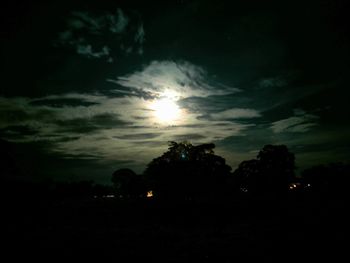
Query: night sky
x,y
88,87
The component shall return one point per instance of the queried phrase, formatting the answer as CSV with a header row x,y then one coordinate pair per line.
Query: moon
x,y
166,110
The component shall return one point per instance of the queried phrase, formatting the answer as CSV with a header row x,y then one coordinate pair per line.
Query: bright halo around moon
x,y
166,110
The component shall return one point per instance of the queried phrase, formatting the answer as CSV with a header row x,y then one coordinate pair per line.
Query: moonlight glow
x,y
166,110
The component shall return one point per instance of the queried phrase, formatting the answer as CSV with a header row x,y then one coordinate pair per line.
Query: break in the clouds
x,y
103,36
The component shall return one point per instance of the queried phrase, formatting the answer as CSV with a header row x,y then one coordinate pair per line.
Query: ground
x,y
150,231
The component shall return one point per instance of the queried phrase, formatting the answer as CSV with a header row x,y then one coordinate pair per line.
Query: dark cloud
x,y
17,130
151,143
130,91
188,137
273,82
58,103
20,115
103,35
140,117
250,140
61,138
13,115
199,125
138,136
88,125
216,103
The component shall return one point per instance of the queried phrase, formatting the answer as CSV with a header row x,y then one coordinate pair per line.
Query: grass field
x,y
154,232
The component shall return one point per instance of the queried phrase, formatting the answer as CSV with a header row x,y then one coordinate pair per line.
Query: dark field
x,y
301,227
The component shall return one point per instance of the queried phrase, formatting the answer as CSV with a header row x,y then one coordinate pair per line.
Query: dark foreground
x,y
147,231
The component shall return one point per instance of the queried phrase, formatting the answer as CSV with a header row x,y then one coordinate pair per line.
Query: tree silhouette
x,y
127,184
247,177
269,175
187,172
277,168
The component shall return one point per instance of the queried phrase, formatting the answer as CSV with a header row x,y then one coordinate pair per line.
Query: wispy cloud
x,y
235,113
104,127
178,79
140,38
301,122
87,50
121,124
138,136
118,22
273,82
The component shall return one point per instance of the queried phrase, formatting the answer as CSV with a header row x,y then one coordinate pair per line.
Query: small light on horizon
x,y
149,194
294,186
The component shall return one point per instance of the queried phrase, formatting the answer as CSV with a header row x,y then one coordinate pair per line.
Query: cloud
x,y
301,122
119,22
235,113
188,137
87,51
13,131
178,80
103,36
77,124
83,20
115,23
273,82
140,35
92,124
138,136
140,39
60,102
120,124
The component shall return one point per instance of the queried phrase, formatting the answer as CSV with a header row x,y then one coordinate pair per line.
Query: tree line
x,y
195,174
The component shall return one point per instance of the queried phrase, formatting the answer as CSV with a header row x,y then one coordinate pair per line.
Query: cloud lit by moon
x,y
109,86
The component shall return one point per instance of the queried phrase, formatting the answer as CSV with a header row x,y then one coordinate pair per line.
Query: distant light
x,y
244,189
149,194
294,186
108,196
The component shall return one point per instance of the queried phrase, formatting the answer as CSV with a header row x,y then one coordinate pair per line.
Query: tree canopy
x,y
269,174
187,172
